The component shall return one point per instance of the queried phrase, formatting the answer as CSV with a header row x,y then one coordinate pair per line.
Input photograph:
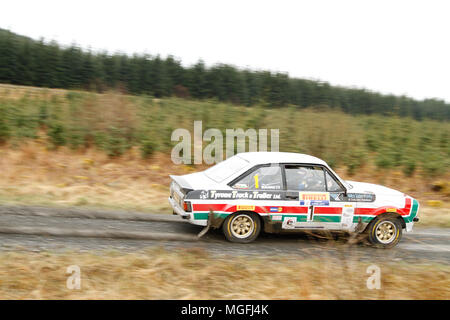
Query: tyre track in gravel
x,y
94,230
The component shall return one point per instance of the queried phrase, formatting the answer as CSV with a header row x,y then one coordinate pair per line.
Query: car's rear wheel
x,y
385,232
242,227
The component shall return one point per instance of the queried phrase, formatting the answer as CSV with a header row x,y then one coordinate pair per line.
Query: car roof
x,y
279,157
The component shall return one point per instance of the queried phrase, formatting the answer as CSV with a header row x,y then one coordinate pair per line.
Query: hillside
x,y
25,61
114,123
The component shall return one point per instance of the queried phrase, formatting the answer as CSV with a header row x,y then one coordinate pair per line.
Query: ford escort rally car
x,y
285,192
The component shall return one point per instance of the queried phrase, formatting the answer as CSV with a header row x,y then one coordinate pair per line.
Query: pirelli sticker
x,y
314,198
245,208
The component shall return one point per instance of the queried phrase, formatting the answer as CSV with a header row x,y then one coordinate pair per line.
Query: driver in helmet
x,y
302,178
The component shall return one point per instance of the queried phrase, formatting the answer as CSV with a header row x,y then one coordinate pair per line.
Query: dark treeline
x,y
25,61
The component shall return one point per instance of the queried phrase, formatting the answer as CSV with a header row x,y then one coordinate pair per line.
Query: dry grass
x,y
156,274
34,175
434,217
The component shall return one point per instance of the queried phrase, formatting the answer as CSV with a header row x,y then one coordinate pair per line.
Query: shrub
x,y
74,96
385,158
167,142
43,114
355,159
22,123
115,143
75,138
56,135
409,166
372,142
148,147
433,163
181,91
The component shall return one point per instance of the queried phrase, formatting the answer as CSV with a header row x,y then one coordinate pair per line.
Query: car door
x,y
261,189
316,195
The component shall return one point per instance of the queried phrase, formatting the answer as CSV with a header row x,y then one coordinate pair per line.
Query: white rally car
x,y
282,192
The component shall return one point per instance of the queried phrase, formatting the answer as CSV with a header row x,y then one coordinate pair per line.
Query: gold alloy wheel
x,y
386,232
242,226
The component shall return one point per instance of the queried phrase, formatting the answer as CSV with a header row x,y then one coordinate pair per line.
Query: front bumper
x,y
413,216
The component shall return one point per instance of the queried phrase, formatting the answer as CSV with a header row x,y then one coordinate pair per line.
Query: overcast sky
x,y
399,47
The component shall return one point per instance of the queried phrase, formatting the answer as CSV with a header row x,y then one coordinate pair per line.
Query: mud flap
x,y
357,235
360,226
213,221
205,229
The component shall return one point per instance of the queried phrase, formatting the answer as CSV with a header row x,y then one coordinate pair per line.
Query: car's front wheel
x,y
385,232
242,227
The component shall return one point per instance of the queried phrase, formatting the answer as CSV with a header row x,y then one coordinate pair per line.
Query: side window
x,y
305,178
264,178
332,185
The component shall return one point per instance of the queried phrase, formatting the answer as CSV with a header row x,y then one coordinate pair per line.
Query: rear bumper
x,y
177,209
185,215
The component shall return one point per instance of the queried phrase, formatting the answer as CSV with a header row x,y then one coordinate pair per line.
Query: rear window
x,y
226,168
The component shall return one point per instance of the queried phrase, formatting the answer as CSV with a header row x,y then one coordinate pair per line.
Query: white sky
x,y
399,47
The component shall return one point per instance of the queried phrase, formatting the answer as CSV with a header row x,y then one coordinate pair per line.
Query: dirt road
x,y
70,229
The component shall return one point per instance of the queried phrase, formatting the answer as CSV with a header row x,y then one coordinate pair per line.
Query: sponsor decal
x,y
314,198
277,218
352,197
204,194
239,208
315,203
234,195
276,209
240,186
347,216
336,196
391,210
289,223
269,187
348,210
362,197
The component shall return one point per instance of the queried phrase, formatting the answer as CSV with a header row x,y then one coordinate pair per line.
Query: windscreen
x,y
226,168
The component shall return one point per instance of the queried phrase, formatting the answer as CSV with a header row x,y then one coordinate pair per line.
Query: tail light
x,y
187,206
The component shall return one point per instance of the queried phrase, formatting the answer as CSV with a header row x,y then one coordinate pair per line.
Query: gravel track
x,y
92,230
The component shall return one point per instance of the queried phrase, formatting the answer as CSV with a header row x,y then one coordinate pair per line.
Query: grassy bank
x,y
155,274
70,148
115,123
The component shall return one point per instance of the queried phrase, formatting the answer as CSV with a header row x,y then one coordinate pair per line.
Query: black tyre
x,y
385,232
242,227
